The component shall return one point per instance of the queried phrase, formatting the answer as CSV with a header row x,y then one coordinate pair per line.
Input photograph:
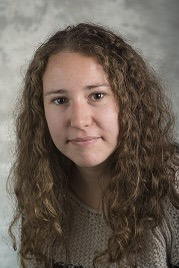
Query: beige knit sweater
x,y
88,234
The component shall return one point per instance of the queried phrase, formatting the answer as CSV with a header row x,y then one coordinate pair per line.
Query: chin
x,y
88,164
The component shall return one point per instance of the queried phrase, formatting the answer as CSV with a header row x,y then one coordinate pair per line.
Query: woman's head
x,y
135,89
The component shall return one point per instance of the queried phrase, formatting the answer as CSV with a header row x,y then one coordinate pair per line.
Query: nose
x,y
80,115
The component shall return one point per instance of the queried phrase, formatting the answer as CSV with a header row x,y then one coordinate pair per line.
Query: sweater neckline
x,y
76,200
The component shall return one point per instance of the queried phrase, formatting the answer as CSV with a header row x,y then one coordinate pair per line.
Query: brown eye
x,y
97,96
60,101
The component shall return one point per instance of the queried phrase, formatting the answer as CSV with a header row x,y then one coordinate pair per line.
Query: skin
x,y
82,117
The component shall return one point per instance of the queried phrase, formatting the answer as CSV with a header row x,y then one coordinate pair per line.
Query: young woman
x,y
96,170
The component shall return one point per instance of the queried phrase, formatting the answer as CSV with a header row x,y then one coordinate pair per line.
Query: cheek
x,y
111,119
54,124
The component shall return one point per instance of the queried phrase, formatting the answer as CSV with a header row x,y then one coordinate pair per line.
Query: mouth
x,y
84,140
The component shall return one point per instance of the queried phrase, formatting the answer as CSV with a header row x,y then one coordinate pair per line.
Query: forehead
x,y
72,67
67,59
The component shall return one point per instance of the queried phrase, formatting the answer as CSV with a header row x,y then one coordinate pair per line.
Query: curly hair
x,y
143,164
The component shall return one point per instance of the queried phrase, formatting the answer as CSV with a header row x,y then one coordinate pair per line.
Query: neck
x,y
88,185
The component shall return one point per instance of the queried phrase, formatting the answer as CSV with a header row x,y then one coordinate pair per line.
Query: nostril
x,y
80,114
80,120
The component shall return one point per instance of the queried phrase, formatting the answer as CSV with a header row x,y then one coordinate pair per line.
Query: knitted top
x,y
89,233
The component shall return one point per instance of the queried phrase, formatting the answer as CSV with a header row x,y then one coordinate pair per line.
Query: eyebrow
x,y
62,91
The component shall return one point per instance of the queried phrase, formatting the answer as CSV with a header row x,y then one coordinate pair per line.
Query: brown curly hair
x,y
143,164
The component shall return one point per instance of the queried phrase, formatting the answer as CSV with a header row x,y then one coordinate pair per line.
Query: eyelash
x,y
98,93
91,96
56,100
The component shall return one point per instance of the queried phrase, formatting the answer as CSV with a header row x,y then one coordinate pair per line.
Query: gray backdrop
x,y
151,26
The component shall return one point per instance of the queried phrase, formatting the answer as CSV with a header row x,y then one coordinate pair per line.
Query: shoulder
x,y
161,244
171,223
170,230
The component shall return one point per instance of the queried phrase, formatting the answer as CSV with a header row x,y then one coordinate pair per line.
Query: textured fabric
x,y
88,234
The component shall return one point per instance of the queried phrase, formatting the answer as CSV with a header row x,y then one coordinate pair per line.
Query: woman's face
x,y
80,109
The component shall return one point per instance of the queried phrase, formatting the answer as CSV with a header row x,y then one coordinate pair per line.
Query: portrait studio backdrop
x,y
150,26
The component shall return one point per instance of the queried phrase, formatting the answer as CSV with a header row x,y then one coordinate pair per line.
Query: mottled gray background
x,y
151,26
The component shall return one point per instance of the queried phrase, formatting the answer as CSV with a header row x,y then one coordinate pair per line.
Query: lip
x,y
84,140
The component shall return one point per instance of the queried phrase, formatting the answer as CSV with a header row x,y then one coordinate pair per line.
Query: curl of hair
x,y
142,168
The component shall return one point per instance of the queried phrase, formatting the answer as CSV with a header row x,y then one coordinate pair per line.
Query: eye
x,y
60,101
97,96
